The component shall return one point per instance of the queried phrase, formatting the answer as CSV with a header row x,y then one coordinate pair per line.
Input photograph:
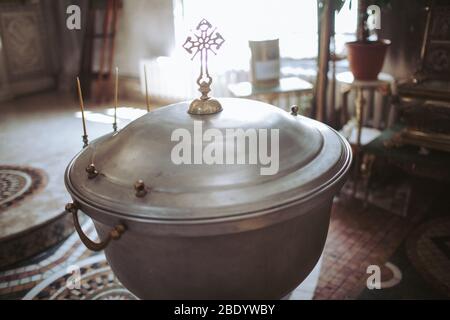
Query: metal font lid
x,y
172,165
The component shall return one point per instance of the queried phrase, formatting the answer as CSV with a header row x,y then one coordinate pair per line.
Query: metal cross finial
x,y
205,40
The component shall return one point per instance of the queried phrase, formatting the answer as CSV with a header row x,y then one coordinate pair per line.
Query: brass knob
x,y
71,207
294,110
91,171
117,232
140,189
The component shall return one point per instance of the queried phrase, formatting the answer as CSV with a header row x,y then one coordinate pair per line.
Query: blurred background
x,y
377,71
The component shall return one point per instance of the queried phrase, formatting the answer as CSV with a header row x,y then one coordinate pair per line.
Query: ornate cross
x,y
205,41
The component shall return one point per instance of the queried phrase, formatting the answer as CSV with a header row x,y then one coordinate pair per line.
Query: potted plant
x,y
366,56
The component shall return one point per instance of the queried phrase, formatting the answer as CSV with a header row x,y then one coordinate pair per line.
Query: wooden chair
x,y
419,142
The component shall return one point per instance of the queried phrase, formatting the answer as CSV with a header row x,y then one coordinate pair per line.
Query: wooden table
x,y
383,84
292,88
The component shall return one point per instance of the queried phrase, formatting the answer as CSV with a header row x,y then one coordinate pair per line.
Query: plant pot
x,y
366,58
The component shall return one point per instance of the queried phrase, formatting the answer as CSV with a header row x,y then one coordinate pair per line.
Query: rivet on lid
x,y
140,189
91,171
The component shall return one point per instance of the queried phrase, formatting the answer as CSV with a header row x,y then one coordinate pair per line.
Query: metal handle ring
x,y
114,234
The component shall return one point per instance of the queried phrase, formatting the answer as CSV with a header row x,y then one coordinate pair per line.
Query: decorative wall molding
x,y
24,51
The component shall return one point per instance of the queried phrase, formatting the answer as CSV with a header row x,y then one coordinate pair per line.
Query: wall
x,y
25,63
145,30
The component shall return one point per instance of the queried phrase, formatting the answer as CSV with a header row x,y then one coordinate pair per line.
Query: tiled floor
x,y
49,275
44,132
17,281
34,121
358,236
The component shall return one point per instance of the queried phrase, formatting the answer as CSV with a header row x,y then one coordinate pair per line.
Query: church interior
x,y
93,205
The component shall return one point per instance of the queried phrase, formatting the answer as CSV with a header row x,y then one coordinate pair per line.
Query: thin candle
x,y
80,96
146,88
116,94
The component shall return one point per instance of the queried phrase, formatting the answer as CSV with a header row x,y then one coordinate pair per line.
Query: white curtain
x,y
66,44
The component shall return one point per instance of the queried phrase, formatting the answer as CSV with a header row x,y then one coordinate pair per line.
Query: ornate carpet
x,y
69,271
17,183
21,186
428,248
358,237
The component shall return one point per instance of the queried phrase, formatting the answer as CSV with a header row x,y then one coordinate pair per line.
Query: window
x,y
293,21
345,24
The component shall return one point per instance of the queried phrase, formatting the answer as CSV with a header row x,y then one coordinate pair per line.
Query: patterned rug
x,y
398,212
90,279
428,249
357,238
73,272
17,183
69,271
24,233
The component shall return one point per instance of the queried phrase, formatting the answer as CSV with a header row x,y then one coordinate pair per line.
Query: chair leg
x,y
344,111
360,101
368,163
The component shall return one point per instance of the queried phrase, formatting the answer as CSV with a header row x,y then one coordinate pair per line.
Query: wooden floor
x,y
43,132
